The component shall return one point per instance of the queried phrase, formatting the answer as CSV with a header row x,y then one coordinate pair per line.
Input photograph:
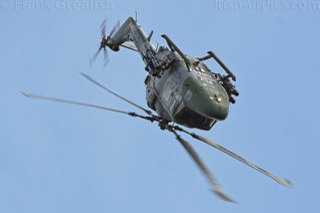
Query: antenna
x,y
136,12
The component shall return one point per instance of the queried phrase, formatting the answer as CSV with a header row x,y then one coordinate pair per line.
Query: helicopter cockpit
x,y
165,57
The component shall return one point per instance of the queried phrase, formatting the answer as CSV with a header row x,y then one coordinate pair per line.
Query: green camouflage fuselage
x,y
185,93
192,98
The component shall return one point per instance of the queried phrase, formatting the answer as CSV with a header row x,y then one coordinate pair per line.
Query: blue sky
x,y
60,158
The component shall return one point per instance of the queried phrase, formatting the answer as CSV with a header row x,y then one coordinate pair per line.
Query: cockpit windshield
x,y
192,119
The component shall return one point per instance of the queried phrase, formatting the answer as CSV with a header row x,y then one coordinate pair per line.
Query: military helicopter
x,y
181,89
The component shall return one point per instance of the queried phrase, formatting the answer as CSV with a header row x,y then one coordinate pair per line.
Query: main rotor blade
x,y
132,114
115,94
216,187
29,95
239,158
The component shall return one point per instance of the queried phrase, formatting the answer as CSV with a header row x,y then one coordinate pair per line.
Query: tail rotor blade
x,y
114,28
103,28
94,57
106,57
106,63
104,42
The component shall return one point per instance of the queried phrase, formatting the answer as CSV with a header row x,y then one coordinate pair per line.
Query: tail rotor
x,y
105,41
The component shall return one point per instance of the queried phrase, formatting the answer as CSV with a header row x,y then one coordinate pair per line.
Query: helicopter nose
x,y
210,101
219,109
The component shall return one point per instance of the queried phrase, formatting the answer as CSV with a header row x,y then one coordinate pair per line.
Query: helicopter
x,y
181,89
